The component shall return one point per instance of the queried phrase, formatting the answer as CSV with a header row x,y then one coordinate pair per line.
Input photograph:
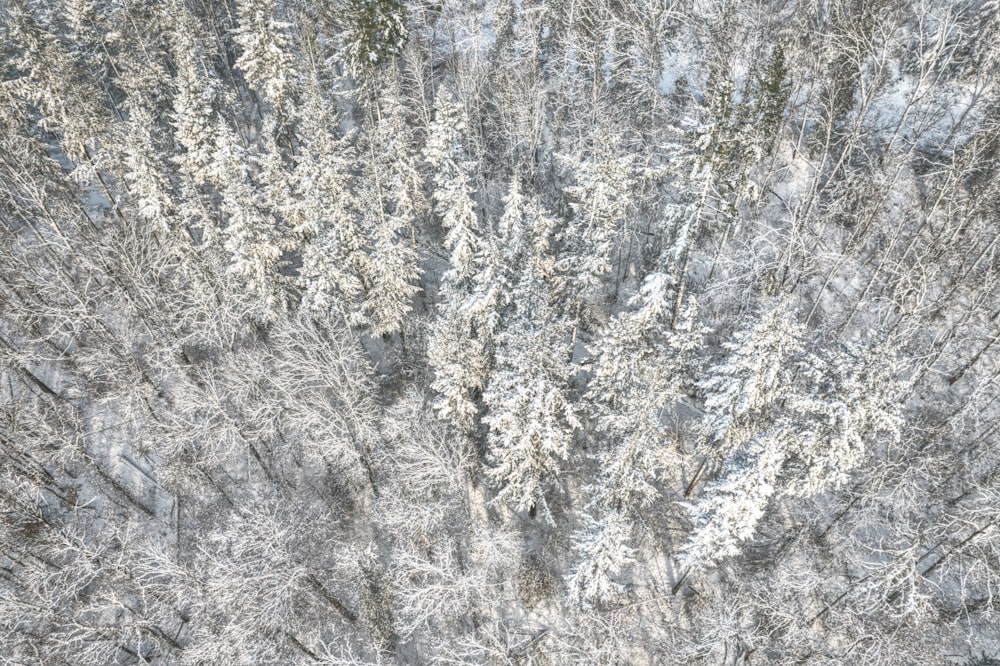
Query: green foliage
x,y
774,87
854,31
740,126
535,582
375,35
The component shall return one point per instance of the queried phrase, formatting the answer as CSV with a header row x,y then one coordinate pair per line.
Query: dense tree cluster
x,y
504,331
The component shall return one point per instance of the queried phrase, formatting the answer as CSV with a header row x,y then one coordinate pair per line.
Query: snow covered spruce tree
x,y
529,414
374,35
393,202
743,397
457,354
265,56
756,374
787,423
601,200
642,370
195,92
252,235
851,403
323,213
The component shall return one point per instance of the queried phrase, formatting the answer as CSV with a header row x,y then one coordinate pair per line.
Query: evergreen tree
x,y
336,264
461,366
519,245
743,394
854,401
251,235
605,554
810,434
375,35
641,370
392,203
266,56
530,417
731,506
756,374
514,264
49,77
195,93
147,176
456,351
601,198
452,187
773,90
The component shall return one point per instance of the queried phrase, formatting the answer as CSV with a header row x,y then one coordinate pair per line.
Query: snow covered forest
x,y
499,332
